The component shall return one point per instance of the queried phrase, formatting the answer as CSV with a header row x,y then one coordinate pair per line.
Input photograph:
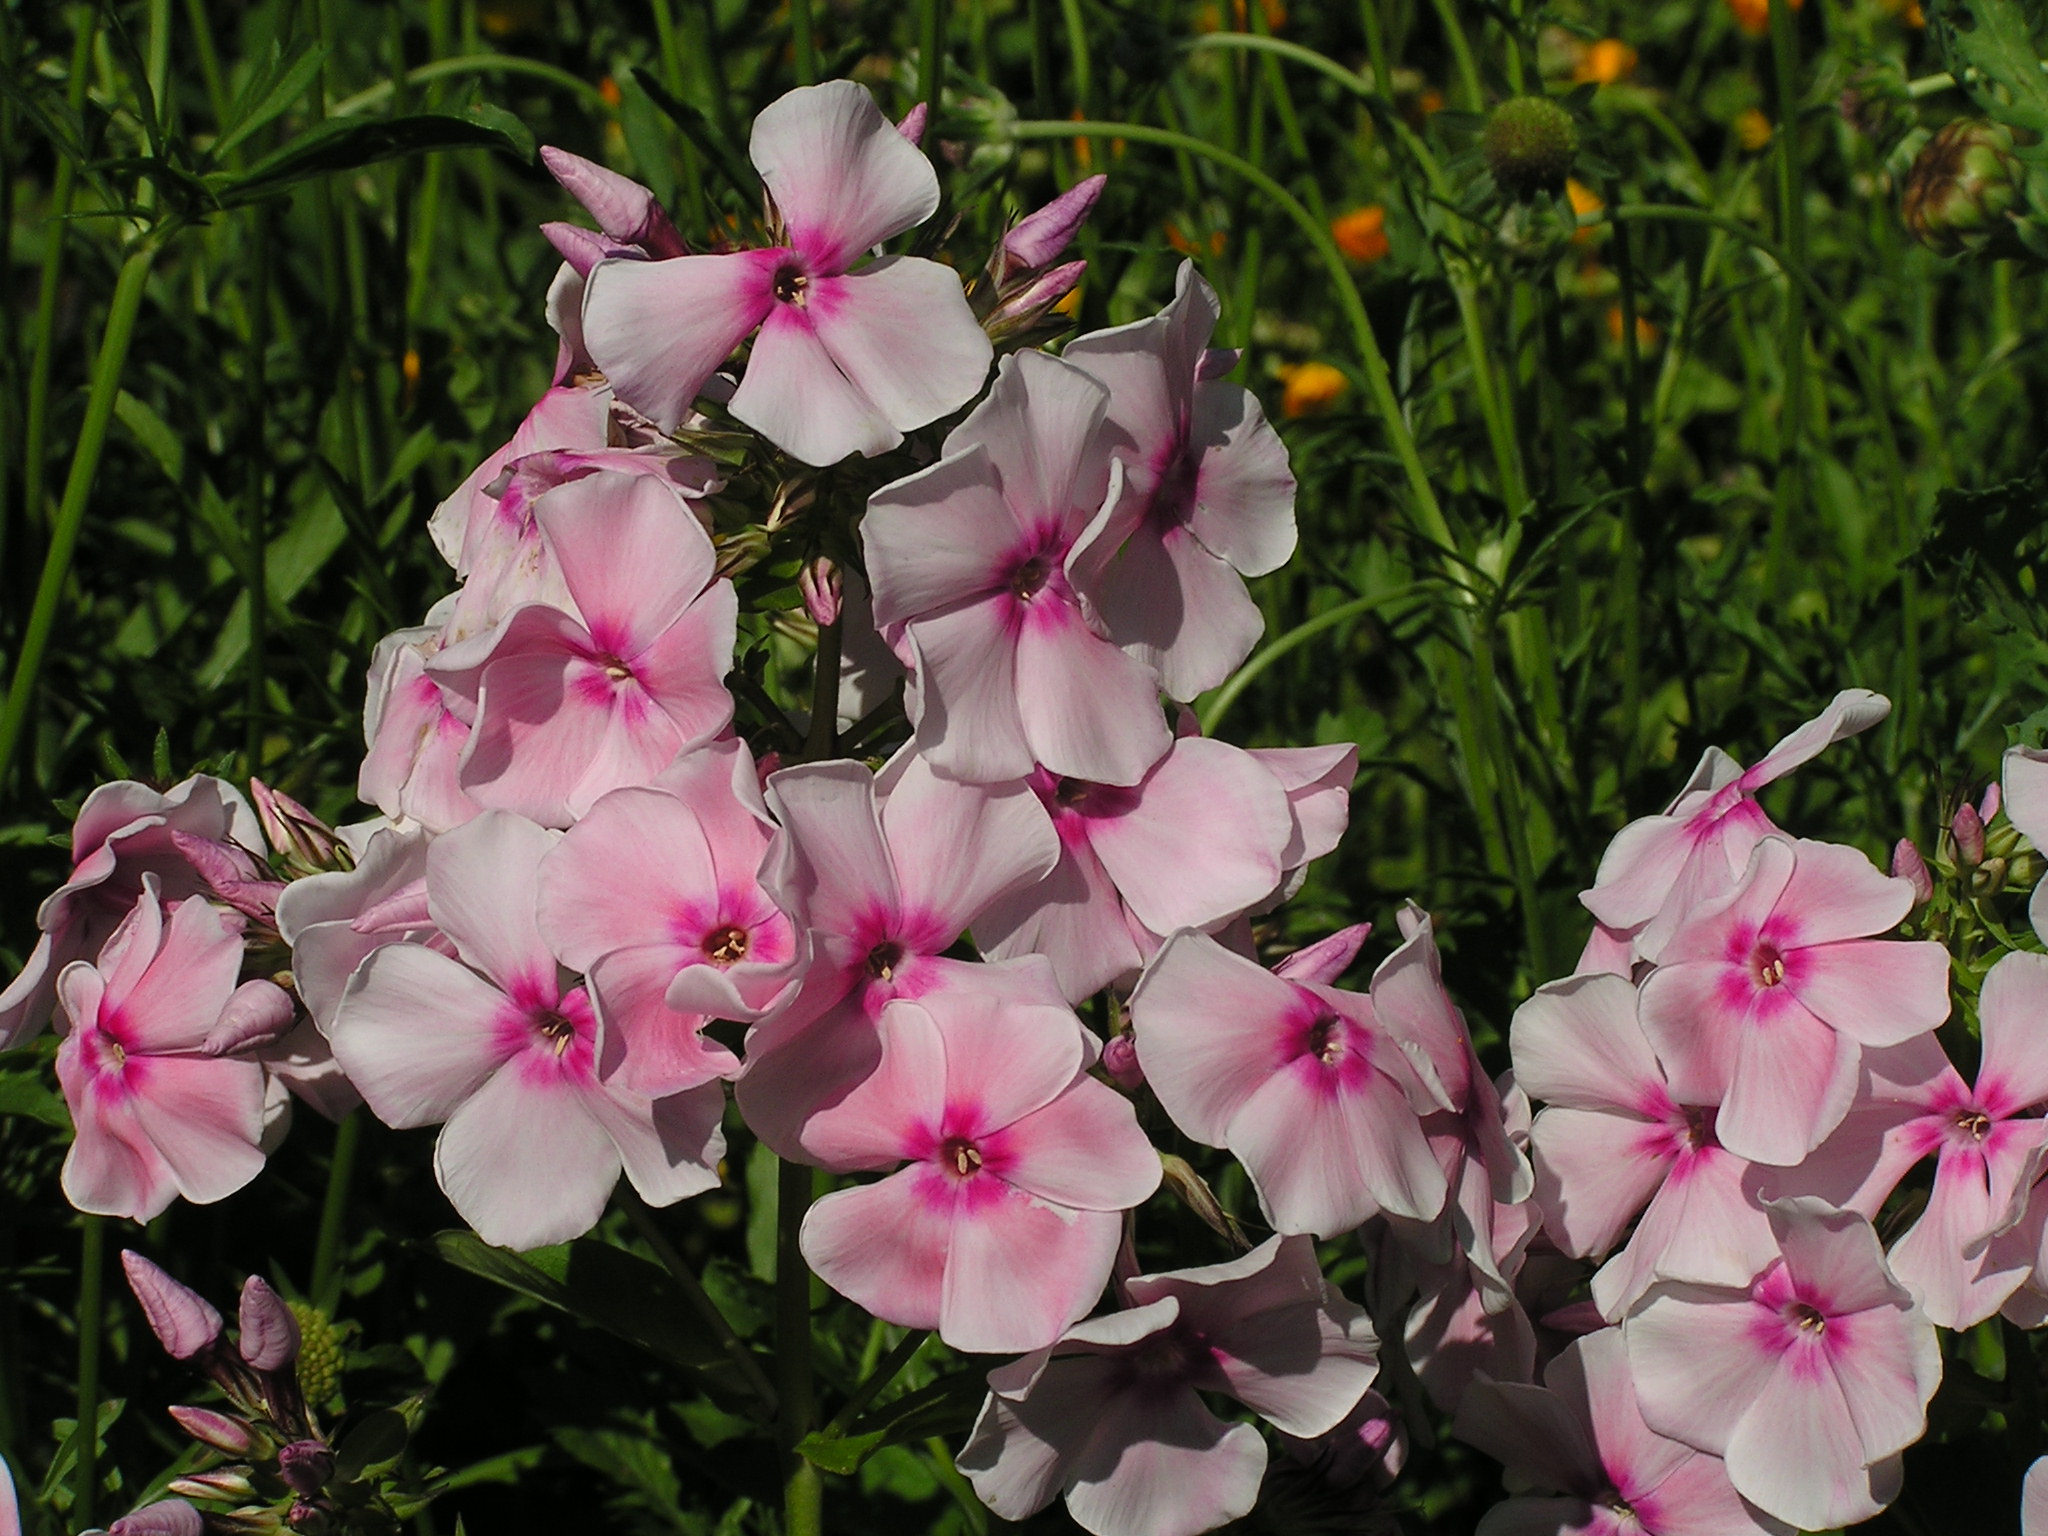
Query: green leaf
x,y
606,1287
703,133
1990,43
59,1475
348,144
153,433
280,89
379,1438
24,1092
946,1407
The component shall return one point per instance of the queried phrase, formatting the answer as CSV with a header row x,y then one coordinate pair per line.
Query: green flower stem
x,y
886,1371
1219,702
735,1347
256,489
1780,562
471,64
42,346
85,463
931,60
341,1163
803,1489
1461,52
92,1265
803,42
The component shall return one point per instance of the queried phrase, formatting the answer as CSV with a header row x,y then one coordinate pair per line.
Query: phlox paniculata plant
x,y
624,893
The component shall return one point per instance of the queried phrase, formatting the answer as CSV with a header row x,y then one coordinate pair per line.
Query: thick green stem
x,y
256,491
37,424
92,1266
334,1210
932,59
85,463
803,1489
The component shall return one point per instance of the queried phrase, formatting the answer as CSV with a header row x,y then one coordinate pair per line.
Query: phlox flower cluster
x,y
1640,1269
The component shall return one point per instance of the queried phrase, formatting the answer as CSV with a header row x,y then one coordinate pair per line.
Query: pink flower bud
x,y
233,874
1968,828
309,1519
1028,304
1993,801
292,829
179,1317
215,1429
257,1014
624,209
270,1334
305,1465
171,1517
1120,1060
822,586
1039,237
582,248
223,1484
912,126
1908,865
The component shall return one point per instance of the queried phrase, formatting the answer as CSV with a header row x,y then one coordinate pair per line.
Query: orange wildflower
x,y
1606,61
1647,335
608,88
1584,201
1310,388
1361,234
1754,16
1753,130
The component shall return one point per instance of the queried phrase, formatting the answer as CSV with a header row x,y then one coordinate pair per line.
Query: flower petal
x,y
843,179
660,329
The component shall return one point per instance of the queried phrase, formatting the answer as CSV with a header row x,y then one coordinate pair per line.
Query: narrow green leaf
x,y
284,88
153,433
348,144
946,1407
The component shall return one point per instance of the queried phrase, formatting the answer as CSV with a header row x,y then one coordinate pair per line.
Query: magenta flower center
x,y
1768,964
727,945
1974,1123
616,669
1806,1318
556,1030
790,283
1173,498
883,960
962,1156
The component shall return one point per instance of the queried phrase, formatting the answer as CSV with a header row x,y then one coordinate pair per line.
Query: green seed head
x,y
319,1365
1962,188
1529,146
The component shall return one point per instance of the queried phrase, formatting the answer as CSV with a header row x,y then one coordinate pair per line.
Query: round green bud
x,y
319,1363
1961,189
1529,146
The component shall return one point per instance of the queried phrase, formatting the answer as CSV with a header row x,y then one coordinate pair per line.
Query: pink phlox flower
x,y
2023,780
1970,1248
1612,1143
416,729
1208,497
1481,1151
1767,993
975,564
2034,1499
500,1047
1111,1415
1461,1324
1001,1226
332,921
1580,1439
571,704
124,831
157,1114
1317,782
844,360
1808,1382
1659,867
884,875
631,224
1371,1442
656,895
465,527
1317,1091
1198,840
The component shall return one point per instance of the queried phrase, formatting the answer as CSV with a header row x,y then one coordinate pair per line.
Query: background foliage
x,y
1696,468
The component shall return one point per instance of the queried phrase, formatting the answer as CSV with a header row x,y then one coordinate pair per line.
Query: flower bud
x,y
822,587
1962,189
1968,828
1120,1061
1194,1192
1027,305
257,1014
270,1334
1875,103
224,1484
1529,145
1038,237
223,1433
180,1318
170,1517
1991,804
912,126
319,1364
624,210
232,874
309,1519
1988,878
306,1465
304,839
1909,866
